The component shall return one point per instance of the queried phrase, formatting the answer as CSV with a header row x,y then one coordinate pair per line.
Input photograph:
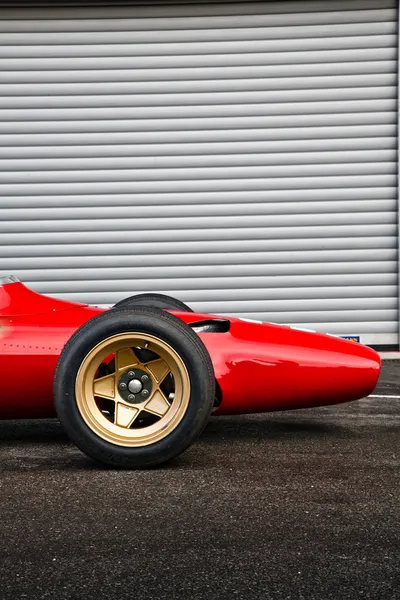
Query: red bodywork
x,y
259,367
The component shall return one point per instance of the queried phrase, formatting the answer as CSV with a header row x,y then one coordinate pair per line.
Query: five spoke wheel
x,y
144,395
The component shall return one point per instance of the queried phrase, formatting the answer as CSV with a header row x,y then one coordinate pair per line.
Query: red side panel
x,y
263,367
29,351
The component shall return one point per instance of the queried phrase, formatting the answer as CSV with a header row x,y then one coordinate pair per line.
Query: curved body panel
x,y
16,300
259,366
265,367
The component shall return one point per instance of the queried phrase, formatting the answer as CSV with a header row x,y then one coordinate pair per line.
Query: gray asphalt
x,y
300,505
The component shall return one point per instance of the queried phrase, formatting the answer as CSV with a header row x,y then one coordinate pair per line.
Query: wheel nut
x,y
144,378
145,393
131,398
122,386
131,374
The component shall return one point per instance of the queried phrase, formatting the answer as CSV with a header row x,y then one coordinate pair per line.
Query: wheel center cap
x,y
135,386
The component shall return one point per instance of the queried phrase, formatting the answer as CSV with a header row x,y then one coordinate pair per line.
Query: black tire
x,y
169,330
155,301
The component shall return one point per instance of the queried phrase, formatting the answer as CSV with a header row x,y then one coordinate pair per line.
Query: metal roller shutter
x,y
240,156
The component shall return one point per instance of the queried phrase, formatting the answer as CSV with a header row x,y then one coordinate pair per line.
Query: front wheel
x,y
134,387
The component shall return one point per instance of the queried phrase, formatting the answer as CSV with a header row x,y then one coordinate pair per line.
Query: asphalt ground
x,y
298,505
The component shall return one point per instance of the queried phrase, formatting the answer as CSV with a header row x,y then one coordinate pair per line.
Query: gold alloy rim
x,y
122,423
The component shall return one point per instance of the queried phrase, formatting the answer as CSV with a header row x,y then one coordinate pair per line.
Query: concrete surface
x,y
389,381
301,505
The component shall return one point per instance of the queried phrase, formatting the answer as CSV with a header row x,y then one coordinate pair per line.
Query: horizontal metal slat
x,y
355,209
175,126
214,160
54,264
150,87
204,65
276,84
209,298
206,197
179,136
192,150
195,37
254,49
182,24
157,9
164,235
71,249
193,272
59,102
200,173
149,55
233,105
172,285
134,224
379,22
196,185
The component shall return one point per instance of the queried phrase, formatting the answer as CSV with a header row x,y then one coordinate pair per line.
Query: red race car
x,y
134,385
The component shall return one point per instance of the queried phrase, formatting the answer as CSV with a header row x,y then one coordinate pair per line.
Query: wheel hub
x,y
135,386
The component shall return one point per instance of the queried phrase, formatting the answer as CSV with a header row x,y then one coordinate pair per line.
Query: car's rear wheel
x,y
155,301
134,387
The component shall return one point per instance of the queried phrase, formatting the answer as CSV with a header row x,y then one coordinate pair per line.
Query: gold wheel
x,y
132,389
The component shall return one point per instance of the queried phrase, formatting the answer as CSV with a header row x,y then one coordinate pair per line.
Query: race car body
x,y
258,367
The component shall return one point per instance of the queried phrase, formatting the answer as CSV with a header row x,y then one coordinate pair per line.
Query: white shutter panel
x,y
241,157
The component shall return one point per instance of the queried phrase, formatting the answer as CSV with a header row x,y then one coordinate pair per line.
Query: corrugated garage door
x,y
240,156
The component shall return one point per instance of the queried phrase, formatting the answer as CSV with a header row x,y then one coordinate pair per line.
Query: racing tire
x,y
155,301
117,419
